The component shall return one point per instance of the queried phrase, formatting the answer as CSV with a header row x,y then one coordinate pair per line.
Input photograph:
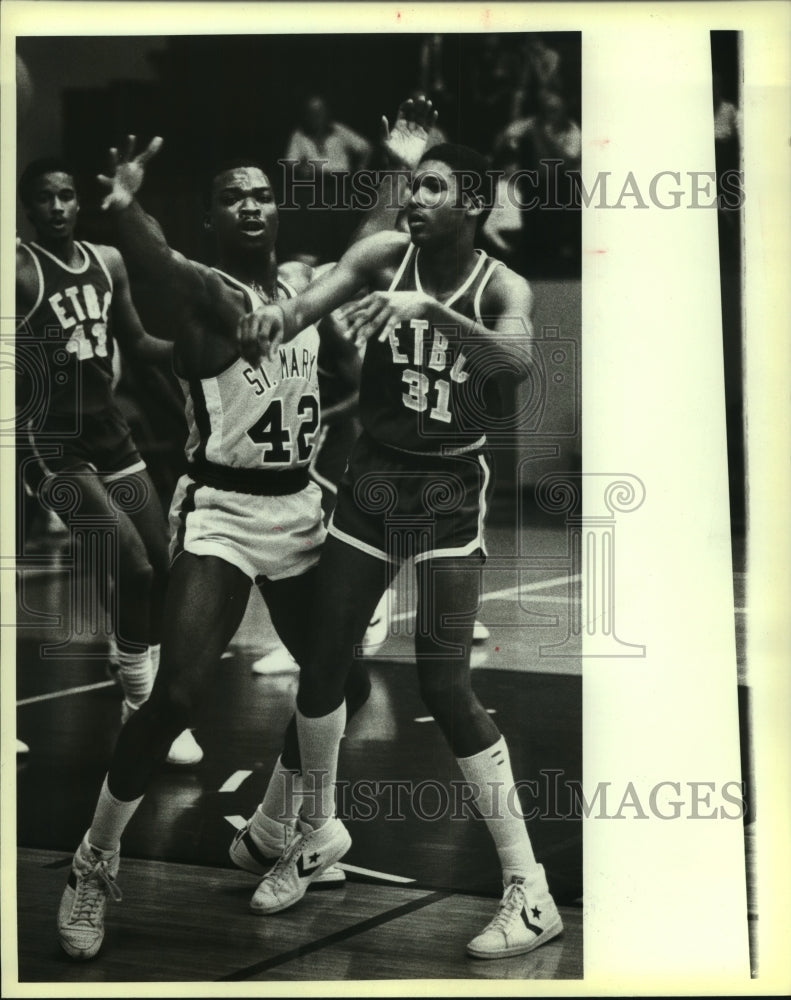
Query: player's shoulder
x,y
506,287
24,256
210,288
110,256
26,272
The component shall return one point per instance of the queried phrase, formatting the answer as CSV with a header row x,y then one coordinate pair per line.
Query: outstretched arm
x,y
261,332
140,235
127,328
504,339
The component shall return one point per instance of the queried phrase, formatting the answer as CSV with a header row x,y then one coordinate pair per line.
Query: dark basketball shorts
x,y
396,505
101,441
330,458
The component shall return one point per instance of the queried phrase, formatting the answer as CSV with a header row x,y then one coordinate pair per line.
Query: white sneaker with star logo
x,y
307,857
256,854
526,919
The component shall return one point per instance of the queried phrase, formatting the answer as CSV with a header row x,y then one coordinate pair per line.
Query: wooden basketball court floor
x,y
422,878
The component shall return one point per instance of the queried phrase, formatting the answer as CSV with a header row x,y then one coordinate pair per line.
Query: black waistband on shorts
x,y
261,482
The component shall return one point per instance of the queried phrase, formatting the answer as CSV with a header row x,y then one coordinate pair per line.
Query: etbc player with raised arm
x,y
442,320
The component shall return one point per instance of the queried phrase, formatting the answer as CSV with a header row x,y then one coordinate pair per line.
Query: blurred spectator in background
x,y
322,148
497,75
552,135
329,145
550,143
542,67
501,233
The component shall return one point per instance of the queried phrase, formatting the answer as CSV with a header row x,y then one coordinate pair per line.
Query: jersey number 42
x,y
269,430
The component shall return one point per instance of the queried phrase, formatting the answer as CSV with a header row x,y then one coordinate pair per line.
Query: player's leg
x,y
326,468
205,602
149,520
270,829
349,584
448,590
132,584
151,525
258,844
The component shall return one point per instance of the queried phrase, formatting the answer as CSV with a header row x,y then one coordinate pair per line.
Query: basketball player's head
x,y
241,211
449,194
46,189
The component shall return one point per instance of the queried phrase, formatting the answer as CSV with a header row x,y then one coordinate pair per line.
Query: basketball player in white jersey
x,y
73,301
441,320
245,513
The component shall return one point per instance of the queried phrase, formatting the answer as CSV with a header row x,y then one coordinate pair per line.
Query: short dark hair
x,y
223,166
467,161
36,169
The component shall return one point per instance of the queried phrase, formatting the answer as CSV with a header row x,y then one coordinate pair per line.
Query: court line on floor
x,y
348,932
64,692
528,588
430,718
515,591
356,870
236,779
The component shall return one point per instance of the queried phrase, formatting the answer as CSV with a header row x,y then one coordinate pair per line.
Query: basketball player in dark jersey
x,y
245,513
441,320
73,301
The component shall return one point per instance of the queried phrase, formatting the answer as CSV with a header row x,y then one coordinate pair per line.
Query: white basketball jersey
x,y
265,417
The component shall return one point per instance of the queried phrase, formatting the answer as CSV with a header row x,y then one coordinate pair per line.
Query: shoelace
x,y
510,907
279,870
91,890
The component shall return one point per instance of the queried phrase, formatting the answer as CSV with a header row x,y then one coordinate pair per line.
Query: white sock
x,y
110,820
153,652
283,795
270,835
489,773
319,740
134,670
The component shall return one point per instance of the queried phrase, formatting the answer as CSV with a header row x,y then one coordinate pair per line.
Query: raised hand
x,y
126,172
406,141
260,333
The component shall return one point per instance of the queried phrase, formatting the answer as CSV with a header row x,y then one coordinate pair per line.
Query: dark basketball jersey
x,y
417,393
69,328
